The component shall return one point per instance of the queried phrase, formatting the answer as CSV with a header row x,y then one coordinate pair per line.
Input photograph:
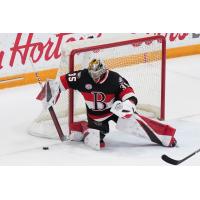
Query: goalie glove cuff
x,y
130,105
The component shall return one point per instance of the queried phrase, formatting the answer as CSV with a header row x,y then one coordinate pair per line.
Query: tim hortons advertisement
x,y
44,48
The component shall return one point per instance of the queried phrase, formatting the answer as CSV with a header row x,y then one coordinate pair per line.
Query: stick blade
x,y
170,160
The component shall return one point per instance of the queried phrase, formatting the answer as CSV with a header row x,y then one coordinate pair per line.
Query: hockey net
x,y
141,61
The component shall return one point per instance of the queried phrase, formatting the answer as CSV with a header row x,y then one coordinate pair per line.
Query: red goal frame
x,y
115,44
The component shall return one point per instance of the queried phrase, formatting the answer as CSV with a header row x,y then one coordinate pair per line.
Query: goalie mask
x,y
96,69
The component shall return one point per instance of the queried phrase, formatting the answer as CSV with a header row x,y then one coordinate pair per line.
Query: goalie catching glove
x,y
50,93
123,109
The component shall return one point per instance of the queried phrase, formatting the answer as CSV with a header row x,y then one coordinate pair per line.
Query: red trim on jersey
x,y
125,92
99,116
88,96
104,78
64,82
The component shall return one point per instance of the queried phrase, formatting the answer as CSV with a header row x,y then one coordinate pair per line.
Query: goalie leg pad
x,y
164,132
92,139
131,126
152,130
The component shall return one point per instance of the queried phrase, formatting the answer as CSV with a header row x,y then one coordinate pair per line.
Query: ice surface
x,y
18,109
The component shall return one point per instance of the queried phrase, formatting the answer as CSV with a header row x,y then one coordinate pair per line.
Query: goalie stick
x,y
51,110
177,162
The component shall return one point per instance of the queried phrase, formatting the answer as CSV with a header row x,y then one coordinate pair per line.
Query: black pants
x,y
103,126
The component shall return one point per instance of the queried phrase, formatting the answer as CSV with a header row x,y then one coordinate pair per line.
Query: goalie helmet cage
x,y
141,61
134,43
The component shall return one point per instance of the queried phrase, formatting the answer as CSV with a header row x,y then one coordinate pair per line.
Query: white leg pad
x,y
76,136
131,126
93,139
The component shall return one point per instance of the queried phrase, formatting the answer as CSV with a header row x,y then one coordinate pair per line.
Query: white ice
x,y
18,109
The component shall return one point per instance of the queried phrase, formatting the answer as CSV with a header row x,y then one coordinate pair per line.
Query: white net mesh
x,y
141,62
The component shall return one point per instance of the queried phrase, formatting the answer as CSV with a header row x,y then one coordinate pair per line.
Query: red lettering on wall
x,y
1,58
37,49
51,49
174,36
71,39
168,36
74,38
99,35
56,52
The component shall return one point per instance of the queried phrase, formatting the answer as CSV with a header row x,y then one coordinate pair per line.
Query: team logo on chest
x,y
99,98
88,86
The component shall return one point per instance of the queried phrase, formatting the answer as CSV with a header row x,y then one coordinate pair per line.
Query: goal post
x,y
142,61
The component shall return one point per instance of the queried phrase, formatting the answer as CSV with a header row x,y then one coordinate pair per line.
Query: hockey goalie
x,y
108,96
